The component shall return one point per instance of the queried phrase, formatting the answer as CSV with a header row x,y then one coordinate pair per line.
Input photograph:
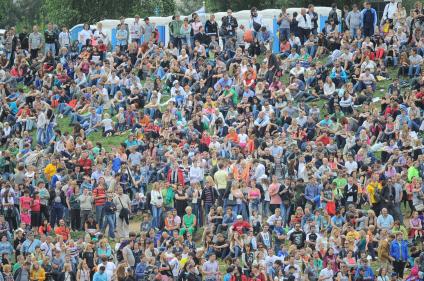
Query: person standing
x,y
50,40
57,203
148,30
64,38
136,30
24,39
369,20
255,21
333,14
99,196
284,24
228,26
122,38
399,254
304,25
211,27
101,35
84,35
314,19
221,177
35,41
389,13
122,202
353,20
86,203
175,31
44,201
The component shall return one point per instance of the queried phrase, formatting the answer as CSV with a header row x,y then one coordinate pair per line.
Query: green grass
x,y
114,141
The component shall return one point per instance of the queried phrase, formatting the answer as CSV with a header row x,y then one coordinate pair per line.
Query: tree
x,y
72,12
237,5
23,12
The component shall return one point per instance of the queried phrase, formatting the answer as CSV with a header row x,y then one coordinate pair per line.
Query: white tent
x,y
242,18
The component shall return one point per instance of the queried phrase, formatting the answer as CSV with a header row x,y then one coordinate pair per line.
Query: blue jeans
x,y
41,136
284,33
49,132
395,60
353,31
196,212
77,118
285,212
56,214
237,209
151,112
109,220
312,50
414,70
359,86
99,216
50,47
112,89
156,213
237,252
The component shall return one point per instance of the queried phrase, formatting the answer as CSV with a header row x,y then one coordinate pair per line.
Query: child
x,y
121,121
228,275
137,204
386,27
26,219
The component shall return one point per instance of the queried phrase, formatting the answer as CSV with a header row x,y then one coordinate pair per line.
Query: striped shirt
x,y
99,192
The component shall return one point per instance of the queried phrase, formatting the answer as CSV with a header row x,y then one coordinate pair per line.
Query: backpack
x,y
119,254
377,194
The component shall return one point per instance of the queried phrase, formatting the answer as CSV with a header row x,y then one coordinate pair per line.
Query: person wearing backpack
x,y
255,22
122,202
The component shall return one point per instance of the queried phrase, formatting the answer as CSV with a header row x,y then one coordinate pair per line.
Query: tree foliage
x,y
71,12
23,12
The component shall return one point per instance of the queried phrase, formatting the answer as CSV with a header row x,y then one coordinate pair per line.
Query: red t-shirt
x,y
239,226
36,206
25,202
85,164
25,217
99,192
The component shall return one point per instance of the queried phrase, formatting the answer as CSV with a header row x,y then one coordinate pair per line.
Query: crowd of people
x,y
228,161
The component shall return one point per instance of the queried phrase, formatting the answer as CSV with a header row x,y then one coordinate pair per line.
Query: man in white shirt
x,y
196,173
389,12
64,38
365,79
259,173
415,62
136,30
215,144
110,268
100,34
84,35
351,165
326,273
304,24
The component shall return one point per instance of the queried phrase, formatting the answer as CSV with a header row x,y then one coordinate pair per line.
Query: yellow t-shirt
x,y
371,190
